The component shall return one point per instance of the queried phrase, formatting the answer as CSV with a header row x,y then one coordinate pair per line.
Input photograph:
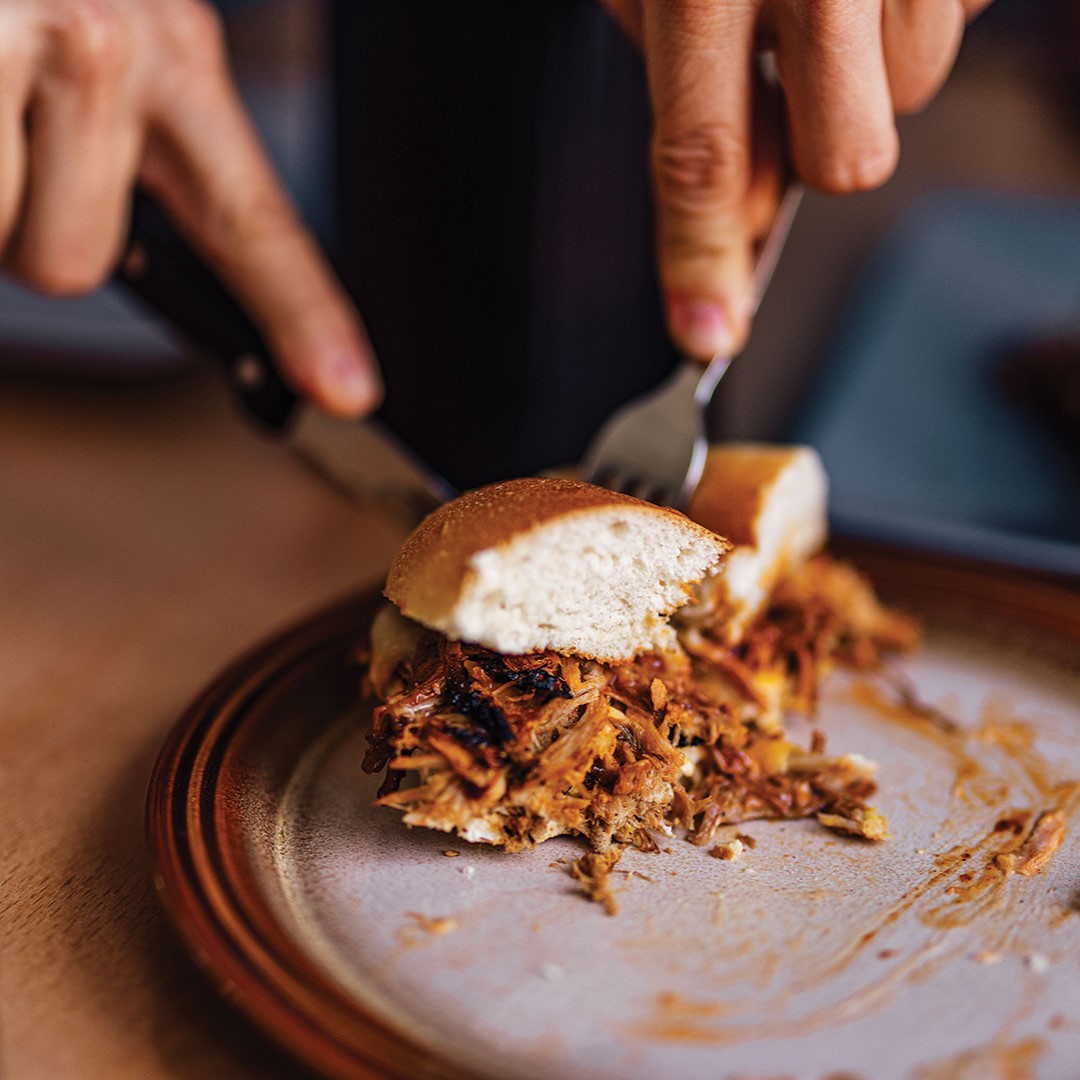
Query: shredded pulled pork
x,y
592,872
512,750
515,749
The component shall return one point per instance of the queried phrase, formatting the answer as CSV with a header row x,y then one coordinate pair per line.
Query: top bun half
x,y
540,563
770,501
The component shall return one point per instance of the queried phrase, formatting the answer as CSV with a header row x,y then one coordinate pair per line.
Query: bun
x,y
393,640
533,564
770,501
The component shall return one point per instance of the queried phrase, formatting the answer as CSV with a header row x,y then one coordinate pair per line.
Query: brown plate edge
x,y
272,981
268,978
935,583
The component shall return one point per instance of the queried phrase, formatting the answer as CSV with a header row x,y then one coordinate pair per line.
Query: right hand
x,y
848,67
99,95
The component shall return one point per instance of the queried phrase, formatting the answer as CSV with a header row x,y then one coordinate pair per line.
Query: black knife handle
x,y
161,268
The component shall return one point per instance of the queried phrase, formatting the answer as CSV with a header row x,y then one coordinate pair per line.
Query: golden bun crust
x,y
735,485
435,566
771,501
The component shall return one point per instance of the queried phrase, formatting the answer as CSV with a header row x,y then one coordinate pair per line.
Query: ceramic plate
x,y
369,949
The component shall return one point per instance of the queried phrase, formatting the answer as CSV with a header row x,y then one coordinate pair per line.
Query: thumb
x,y
698,59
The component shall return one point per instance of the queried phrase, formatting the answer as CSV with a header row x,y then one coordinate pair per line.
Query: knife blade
x,y
362,460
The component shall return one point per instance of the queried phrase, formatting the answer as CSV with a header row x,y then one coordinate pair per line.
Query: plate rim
x,y
274,983
271,981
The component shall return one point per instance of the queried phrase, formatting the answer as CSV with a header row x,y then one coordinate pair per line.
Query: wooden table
x,y
146,536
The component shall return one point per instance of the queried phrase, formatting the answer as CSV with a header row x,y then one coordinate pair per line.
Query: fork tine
x,y
655,446
608,477
640,487
617,480
656,493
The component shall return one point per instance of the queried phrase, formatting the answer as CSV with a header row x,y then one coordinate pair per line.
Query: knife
x,y
362,460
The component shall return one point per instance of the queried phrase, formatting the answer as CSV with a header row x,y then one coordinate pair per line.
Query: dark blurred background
x,y
481,183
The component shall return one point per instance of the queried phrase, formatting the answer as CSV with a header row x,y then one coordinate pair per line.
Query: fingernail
x,y
700,327
355,379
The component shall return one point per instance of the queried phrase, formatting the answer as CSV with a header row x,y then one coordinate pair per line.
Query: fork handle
x,y
764,267
769,255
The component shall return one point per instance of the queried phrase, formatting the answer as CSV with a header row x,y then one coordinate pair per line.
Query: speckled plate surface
x,y
370,950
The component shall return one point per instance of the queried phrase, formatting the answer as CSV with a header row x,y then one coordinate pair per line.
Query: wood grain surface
x,y
146,537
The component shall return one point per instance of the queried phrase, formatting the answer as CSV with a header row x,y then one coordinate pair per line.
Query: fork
x,y
654,447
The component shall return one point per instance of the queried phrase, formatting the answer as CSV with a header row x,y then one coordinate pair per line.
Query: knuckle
x,y
908,98
848,174
825,22
694,254
700,166
194,34
237,227
91,41
914,80
68,276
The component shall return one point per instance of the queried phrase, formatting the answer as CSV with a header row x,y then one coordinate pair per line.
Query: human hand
x,y
100,95
847,68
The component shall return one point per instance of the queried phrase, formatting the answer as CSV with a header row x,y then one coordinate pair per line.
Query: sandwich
x,y
529,622
558,659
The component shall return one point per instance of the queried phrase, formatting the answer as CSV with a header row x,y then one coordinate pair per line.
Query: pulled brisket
x,y
515,749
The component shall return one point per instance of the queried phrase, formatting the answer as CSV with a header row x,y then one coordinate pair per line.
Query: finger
x,y
627,13
17,59
80,163
843,134
12,159
207,166
698,60
920,40
770,167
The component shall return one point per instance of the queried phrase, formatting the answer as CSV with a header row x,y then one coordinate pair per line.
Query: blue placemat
x,y
921,444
